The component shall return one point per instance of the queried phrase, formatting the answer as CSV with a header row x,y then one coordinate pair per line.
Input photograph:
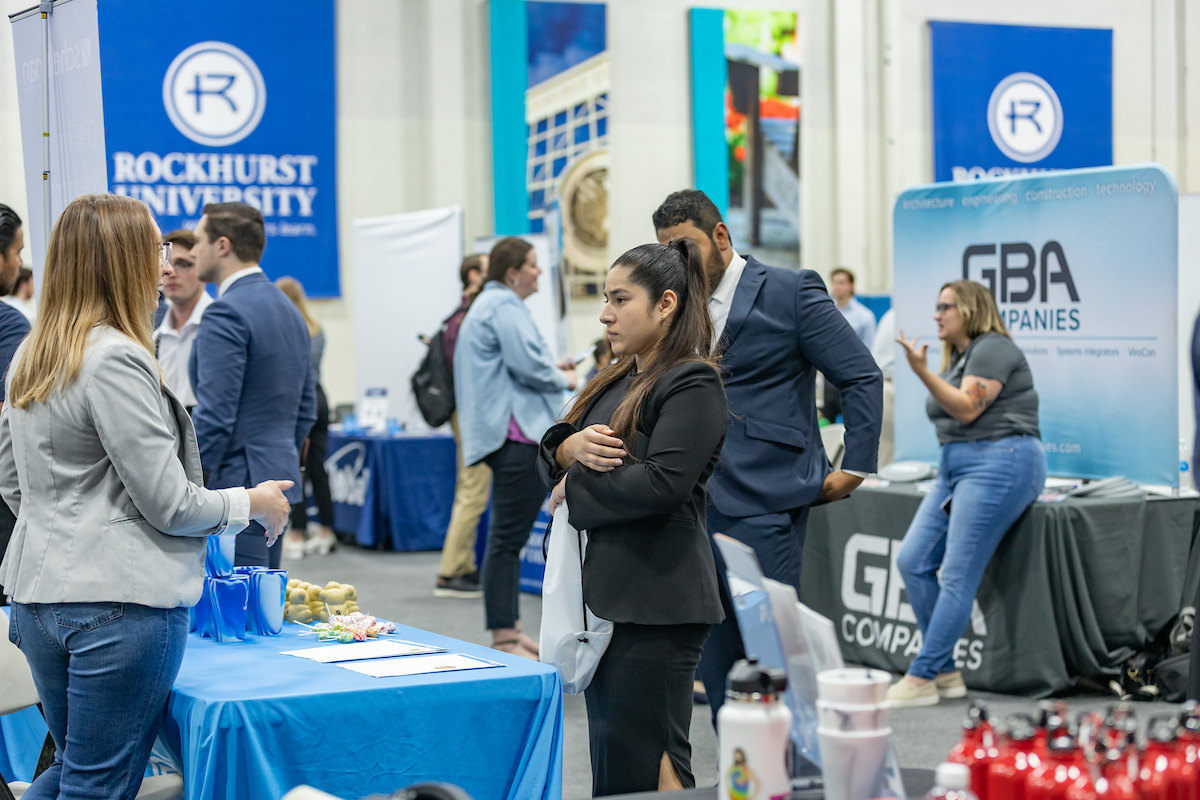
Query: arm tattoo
x,y
978,394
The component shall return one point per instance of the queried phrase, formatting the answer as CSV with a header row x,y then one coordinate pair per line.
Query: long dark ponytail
x,y
677,266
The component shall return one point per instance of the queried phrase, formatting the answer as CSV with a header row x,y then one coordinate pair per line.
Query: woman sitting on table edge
x,y
99,463
632,461
992,468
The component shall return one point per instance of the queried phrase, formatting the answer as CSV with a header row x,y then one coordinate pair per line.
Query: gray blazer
x,y
105,481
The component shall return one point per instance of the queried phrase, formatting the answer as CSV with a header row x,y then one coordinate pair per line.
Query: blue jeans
x,y
103,672
990,484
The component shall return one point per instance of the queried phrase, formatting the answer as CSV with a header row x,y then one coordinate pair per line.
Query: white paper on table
x,y
418,665
361,651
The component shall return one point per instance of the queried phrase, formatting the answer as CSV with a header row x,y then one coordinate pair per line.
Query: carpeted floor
x,y
399,586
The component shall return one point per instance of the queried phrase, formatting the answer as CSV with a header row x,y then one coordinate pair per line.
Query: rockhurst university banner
x,y
1084,267
181,104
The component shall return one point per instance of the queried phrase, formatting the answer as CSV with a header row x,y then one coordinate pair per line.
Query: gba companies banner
x,y
1084,267
226,101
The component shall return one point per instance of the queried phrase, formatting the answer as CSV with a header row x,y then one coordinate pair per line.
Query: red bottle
x,y
1189,732
1166,773
1016,758
1119,769
977,748
1052,721
1058,771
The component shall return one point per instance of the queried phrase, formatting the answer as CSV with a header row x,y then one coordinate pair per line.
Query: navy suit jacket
x,y
783,328
256,399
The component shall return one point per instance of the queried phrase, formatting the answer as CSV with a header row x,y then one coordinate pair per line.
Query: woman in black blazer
x,y
632,460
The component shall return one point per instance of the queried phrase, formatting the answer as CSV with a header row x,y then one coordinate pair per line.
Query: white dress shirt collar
x,y
729,281
204,301
241,273
722,299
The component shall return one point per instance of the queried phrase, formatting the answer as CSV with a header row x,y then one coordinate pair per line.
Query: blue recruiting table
x,y
398,491
394,491
249,722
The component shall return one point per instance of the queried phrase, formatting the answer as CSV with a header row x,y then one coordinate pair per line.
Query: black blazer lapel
x,y
748,287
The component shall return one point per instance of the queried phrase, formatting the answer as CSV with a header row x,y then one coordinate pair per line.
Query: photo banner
x,y
199,112
1084,268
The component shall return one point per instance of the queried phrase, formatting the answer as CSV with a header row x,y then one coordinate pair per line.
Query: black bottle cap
x,y
749,677
1020,727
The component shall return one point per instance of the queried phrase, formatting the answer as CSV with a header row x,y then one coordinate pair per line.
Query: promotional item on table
x,y
1095,757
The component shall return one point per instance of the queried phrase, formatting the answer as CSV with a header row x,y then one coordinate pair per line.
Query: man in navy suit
x,y
250,370
776,328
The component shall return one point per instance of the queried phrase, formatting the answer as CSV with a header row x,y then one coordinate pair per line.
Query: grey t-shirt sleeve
x,y
994,358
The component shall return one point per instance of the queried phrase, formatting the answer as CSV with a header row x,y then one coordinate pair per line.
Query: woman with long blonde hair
x,y
985,409
294,545
99,463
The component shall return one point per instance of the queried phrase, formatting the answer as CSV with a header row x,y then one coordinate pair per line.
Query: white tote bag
x,y
573,639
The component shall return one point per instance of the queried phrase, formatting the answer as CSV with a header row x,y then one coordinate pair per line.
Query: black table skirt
x,y
1073,591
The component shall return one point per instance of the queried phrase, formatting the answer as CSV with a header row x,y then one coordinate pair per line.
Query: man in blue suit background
x,y
250,370
776,329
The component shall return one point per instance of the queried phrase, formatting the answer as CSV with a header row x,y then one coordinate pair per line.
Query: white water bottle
x,y
754,730
951,782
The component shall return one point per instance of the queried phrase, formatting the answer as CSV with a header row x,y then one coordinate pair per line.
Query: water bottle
x,y
754,728
951,782
977,749
1015,760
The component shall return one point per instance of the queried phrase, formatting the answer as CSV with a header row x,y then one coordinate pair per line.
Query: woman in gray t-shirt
x,y
985,409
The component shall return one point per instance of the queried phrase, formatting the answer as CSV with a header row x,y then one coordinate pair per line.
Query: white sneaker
x,y
320,544
905,695
293,549
950,685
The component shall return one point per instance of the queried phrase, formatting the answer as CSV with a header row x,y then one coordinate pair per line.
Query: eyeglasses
x,y
165,252
942,308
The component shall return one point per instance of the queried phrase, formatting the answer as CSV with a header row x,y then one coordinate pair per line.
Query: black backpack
x,y
433,383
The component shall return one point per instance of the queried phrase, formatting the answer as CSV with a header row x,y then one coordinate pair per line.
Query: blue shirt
x,y
14,327
503,370
861,320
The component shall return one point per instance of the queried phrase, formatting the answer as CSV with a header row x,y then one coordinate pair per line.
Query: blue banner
x,y
1084,267
1010,99
200,106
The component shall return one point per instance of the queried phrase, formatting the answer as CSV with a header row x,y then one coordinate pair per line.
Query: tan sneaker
x,y
950,685
905,695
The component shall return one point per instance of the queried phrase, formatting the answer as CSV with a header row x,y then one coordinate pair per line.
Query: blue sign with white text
x,y
1083,265
203,105
1010,99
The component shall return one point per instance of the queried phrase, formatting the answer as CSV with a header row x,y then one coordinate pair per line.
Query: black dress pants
x,y
517,497
314,470
250,549
639,706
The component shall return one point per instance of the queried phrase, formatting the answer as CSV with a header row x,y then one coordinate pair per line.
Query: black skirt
x,y
639,706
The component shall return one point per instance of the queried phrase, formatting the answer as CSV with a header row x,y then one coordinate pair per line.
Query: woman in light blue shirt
x,y
508,392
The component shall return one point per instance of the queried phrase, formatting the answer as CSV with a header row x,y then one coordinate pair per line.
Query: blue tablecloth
x,y
394,491
248,722
21,737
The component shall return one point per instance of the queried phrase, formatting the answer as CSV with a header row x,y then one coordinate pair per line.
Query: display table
x,y
1074,589
392,491
248,722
